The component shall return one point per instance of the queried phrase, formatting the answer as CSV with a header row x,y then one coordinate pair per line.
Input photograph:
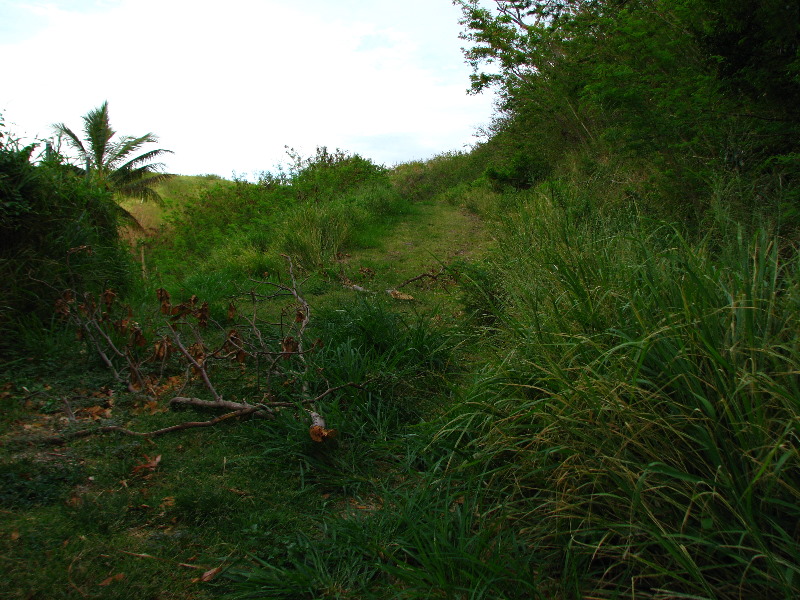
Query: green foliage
x,y
755,47
327,174
401,351
29,483
426,539
481,291
57,230
424,180
523,171
224,211
341,198
702,94
326,204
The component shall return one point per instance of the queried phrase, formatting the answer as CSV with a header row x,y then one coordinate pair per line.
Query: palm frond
x,y
116,163
125,217
145,158
128,145
139,184
73,140
98,131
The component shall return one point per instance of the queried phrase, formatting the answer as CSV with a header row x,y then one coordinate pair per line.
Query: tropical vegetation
x,y
115,164
563,364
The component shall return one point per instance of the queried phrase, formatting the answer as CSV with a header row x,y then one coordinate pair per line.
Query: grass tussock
x,y
643,424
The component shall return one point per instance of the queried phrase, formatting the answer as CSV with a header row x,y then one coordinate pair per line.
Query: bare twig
x,y
200,367
240,342
65,437
68,411
434,276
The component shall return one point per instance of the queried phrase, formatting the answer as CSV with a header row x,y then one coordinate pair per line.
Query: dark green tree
x,y
703,92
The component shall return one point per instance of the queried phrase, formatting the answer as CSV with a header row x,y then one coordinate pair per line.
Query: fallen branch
x,y
121,340
434,276
268,407
226,404
64,438
239,409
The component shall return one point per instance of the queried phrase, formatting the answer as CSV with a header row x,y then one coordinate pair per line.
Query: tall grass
x,y
314,233
646,430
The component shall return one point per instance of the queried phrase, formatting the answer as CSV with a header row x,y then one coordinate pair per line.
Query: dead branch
x,y
200,367
268,407
434,276
239,409
74,435
226,404
96,324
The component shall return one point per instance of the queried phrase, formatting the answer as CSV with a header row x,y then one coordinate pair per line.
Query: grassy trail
x,y
112,516
435,235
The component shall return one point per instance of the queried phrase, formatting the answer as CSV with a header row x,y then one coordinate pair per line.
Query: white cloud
x,y
227,85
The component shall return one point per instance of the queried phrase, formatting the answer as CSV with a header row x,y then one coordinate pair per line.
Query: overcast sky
x,y
227,84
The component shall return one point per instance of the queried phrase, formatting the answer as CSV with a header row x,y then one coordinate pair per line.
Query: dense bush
x,y
329,174
699,96
425,180
57,230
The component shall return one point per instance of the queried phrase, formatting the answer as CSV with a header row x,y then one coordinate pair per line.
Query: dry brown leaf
x,y
108,297
112,579
150,407
202,314
137,337
400,295
150,464
95,413
208,575
289,346
320,434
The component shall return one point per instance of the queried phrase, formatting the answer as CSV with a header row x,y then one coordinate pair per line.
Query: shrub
x,y
57,230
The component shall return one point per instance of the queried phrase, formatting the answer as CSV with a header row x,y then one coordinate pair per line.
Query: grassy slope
x,y
174,191
76,515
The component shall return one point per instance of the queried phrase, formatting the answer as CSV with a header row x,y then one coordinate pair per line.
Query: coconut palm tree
x,y
116,164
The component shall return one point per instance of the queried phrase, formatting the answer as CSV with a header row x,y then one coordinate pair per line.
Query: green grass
x,y
242,492
578,402
641,426
175,192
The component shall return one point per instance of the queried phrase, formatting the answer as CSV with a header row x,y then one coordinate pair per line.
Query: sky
x,y
228,85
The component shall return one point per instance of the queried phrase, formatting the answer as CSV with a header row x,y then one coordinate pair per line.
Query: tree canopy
x,y
697,90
